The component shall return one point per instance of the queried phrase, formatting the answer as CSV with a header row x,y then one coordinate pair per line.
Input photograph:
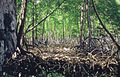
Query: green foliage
x,y
109,11
68,14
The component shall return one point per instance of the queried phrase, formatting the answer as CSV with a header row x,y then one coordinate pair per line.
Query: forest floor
x,y
64,59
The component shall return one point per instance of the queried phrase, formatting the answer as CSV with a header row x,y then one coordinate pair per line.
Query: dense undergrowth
x,y
62,61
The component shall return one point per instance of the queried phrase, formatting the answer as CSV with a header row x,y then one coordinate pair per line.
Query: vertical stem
x,y
22,20
55,29
36,37
43,30
63,30
81,21
89,25
47,28
33,26
78,29
69,28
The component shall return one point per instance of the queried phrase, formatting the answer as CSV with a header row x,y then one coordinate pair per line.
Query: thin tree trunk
x,y
43,31
55,29
48,29
21,24
63,30
81,21
69,29
78,29
8,23
36,17
89,25
22,20
33,26
36,29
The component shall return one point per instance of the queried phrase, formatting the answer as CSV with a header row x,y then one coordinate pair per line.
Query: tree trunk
x,y
8,39
43,31
63,30
69,29
77,22
33,26
89,25
21,21
54,30
81,21
36,37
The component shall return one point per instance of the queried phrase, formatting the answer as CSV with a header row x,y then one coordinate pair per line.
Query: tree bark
x,y
89,25
21,21
33,25
8,38
43,30
36,37
81,21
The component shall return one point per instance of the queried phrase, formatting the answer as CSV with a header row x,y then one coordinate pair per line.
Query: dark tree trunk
x,y
89,25
22,20
82,21
43,31
33,26
36,37
8,39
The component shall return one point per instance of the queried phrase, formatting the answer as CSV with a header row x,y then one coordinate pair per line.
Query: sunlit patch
x,y
37,1
118,2
118,11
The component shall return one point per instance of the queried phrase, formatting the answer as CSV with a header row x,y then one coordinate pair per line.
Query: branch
x,y
113,39
44,18
28,27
